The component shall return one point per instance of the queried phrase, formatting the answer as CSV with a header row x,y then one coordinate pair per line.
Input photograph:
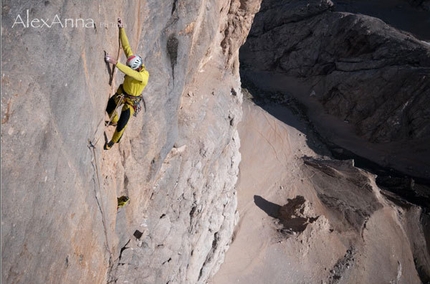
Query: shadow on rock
x,y
270,208
328,67
292,216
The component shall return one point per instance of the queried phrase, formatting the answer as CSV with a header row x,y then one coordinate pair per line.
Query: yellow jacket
x,y
134,81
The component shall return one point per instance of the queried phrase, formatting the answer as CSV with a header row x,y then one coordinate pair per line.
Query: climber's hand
x,y
120,23
110,59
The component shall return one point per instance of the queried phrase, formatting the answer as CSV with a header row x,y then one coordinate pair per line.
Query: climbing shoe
x,y
108,145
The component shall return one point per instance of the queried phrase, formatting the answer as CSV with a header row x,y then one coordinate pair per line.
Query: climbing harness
x,y
133,101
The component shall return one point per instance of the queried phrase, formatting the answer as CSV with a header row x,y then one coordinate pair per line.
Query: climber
x,y
129,92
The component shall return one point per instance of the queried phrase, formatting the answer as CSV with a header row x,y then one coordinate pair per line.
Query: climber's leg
x,y
126,113
111,106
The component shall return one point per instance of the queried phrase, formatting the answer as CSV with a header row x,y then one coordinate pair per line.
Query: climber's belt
x,y
133,101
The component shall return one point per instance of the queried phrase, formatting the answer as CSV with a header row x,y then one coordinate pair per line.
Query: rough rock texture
x,y
365,84
178,161
307,218
376,229
406,15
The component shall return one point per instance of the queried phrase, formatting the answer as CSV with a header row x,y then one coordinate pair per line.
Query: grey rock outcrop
x,y
178,161
368,220
365,84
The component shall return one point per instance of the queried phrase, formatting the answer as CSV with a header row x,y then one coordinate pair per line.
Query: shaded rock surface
x,y
308,218
178,161
365,84
406,15
362,87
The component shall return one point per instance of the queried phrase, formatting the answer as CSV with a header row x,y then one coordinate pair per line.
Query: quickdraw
x,y
137,108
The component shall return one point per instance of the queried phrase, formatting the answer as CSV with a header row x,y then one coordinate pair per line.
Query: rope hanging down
x,y
93,143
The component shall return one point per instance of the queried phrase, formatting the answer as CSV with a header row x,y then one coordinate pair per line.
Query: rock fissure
x,y
97,192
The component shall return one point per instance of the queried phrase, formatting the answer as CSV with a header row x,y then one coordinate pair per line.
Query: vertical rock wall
x,y
178,161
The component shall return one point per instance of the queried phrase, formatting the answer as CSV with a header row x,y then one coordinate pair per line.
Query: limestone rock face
x,y
178,160
309,218
365,84
374,223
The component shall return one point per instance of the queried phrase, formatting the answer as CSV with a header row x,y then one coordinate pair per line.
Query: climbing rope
x,y
93,143
114,67
95,163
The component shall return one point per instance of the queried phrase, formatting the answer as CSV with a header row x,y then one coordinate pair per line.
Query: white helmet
x,y
134,62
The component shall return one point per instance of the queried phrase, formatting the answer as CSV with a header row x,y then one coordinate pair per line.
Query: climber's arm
x,y
124,41
141,76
